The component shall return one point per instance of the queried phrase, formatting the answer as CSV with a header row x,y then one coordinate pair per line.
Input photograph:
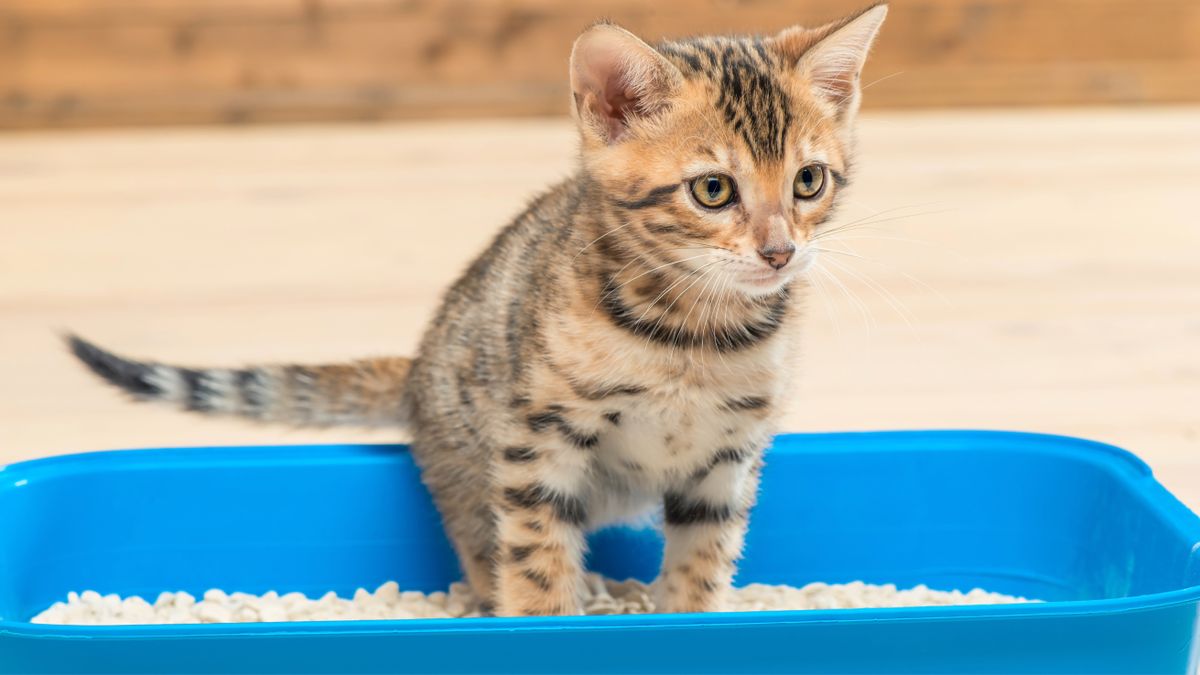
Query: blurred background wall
x,y
78,63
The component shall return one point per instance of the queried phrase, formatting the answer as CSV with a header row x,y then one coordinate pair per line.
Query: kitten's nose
x,y
777,256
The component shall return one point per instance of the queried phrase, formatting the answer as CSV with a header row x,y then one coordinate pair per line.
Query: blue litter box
x,y
1079,524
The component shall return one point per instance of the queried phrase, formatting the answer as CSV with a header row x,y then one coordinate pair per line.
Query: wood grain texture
x,y
1031,271
134,62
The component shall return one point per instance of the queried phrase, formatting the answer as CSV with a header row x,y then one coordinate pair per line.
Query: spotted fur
x,y
619,347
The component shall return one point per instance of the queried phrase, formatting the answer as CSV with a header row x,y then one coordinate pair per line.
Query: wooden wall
x,y
132,62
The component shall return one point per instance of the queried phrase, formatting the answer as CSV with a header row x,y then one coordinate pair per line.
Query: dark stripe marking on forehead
x,y
749,94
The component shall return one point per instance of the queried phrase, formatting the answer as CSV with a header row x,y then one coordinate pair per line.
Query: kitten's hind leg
x,y
454,469
477,559
541,509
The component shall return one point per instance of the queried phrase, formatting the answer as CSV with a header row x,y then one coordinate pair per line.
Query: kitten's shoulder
x,y
553,208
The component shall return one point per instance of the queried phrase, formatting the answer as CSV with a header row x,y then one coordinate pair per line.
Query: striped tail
x,y
370,392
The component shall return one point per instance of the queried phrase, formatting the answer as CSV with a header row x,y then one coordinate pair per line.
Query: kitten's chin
x,y
768,281
757,285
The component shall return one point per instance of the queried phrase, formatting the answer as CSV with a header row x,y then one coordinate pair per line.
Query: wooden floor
x,y
1029,270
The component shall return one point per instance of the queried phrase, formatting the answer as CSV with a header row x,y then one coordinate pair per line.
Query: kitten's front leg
x,y
705,523
540,512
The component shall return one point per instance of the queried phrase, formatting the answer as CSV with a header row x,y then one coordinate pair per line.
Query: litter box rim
x,y
1117,462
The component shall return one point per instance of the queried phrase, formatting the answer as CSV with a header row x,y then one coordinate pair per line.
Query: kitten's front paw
x,y
683,595
538,607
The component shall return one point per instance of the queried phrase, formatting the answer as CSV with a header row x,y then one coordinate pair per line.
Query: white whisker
x,y
889,298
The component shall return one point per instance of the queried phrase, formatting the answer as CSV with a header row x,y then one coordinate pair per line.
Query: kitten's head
x,y
737,143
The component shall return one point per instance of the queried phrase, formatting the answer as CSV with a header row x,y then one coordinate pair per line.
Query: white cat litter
x,y
602,596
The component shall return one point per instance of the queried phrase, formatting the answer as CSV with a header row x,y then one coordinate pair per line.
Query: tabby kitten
x,y
624,344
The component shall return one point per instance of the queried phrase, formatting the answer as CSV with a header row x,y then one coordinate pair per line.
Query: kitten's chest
x,y
664,414
666,435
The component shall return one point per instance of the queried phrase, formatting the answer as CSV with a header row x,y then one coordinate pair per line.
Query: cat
x,y
625,344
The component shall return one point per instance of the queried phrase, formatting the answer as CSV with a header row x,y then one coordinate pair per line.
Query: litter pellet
x,y
601,596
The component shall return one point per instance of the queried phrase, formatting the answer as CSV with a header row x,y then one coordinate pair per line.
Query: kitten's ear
x,y
616,78
831,57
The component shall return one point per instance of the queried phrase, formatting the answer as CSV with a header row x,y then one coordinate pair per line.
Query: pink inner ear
x,y
619,102
837,85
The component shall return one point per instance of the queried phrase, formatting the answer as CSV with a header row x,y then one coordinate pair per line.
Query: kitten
x,y
624,344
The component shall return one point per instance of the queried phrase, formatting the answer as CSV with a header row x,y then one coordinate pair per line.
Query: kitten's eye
x,y
810,181
714,190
